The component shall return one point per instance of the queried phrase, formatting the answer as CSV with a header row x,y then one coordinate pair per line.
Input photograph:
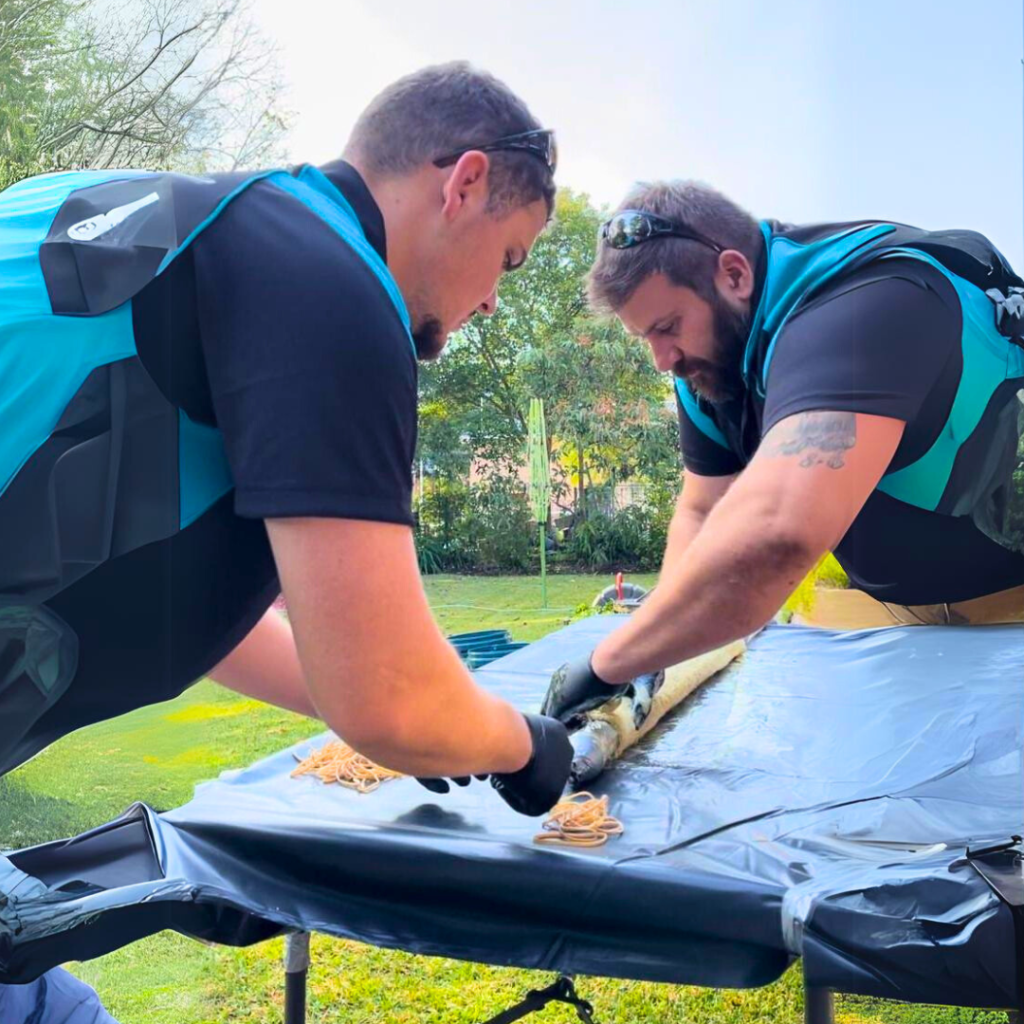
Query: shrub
x,y
485,528
444,531
631,538
505,535
830,573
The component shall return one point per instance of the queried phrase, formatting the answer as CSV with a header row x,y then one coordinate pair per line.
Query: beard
x,y
430,338
719,379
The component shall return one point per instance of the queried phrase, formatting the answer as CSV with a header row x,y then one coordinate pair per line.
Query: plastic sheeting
x,y
815,799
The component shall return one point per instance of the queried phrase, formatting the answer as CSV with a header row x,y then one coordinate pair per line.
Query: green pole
x,y
543,569
540,484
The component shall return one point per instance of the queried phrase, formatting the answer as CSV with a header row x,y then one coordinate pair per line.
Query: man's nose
x,y
665,356
489,305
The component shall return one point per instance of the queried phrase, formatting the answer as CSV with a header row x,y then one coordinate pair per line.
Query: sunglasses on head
x,y
634,227
539,143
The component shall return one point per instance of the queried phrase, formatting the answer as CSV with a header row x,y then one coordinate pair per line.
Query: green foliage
x,y
478,386
605,403
801,600
32,45
506,536
632,538
444,535
829,573
486,527
182,84
430,554
1015,505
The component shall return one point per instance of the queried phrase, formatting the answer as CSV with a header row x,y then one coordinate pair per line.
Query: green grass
x,y
513,602
158,754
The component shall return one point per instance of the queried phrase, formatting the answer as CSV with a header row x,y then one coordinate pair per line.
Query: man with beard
x,y
208,386
854,388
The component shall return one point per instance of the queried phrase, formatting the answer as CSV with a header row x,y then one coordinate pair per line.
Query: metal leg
x,y
818,1008
296,970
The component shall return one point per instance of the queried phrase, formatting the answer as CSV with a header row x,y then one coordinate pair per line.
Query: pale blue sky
x,y
801,110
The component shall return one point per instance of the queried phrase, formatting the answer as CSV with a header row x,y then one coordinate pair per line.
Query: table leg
x,y
296,970
818,1007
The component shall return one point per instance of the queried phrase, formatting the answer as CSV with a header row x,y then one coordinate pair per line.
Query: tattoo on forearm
x,y
820,438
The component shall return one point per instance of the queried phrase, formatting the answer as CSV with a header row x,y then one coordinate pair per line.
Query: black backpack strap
x,y
562,991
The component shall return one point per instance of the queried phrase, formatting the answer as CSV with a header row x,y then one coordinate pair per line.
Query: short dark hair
x,y
617,273
445,108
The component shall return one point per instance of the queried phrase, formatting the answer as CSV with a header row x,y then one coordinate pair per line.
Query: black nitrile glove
x,y
575,688
441,785
539,785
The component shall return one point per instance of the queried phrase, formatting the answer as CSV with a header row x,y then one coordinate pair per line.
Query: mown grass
x,y
158,754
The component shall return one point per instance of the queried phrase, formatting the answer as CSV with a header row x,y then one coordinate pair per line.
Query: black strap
x,y
992,863
562,991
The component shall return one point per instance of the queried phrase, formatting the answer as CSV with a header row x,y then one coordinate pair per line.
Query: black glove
x,y
539,785
441,785
575,688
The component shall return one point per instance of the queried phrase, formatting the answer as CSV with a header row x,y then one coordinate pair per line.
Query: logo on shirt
x,y
93,227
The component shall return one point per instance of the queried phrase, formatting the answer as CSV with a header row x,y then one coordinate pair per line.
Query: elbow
x,y
386,736
788,537
790,553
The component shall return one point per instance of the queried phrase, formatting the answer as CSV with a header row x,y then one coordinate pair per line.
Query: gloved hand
x,y
539,785
442,786
576,688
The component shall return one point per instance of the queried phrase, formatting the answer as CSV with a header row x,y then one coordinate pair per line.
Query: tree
x,y
163,84
29,45
605,402
479,380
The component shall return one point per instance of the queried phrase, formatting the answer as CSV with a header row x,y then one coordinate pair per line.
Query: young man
x,y
208,386
854,388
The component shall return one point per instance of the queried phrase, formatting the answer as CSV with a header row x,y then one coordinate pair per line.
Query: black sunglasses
x,y
634,227
539,143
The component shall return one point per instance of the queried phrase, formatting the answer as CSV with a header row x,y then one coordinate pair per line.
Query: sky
x,y
800,110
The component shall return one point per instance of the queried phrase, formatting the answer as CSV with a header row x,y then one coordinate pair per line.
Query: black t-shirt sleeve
x,y
703,454
885,342
312,375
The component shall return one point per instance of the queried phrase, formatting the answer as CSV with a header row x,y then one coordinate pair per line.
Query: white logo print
x,y
92,227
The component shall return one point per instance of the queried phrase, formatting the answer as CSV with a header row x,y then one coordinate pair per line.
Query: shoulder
x,y
901,285
268,251
879,341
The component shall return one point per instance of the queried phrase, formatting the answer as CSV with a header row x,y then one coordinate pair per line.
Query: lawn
x,y
158,754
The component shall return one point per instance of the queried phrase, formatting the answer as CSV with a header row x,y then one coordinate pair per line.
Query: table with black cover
x,y
817,799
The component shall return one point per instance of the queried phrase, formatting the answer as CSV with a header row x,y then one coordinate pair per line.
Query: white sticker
x,y
93,227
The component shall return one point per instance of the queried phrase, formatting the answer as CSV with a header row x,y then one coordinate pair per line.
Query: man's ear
x,y
735,276
467,184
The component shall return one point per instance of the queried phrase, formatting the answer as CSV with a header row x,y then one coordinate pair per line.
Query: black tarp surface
x,y
815,799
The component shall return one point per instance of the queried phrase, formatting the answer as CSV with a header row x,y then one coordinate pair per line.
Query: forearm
x,y
379,670
794,502
738,571
265,665
682,531
430,718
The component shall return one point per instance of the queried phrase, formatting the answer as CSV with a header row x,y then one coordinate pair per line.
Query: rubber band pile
x,y
338,762
580,820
